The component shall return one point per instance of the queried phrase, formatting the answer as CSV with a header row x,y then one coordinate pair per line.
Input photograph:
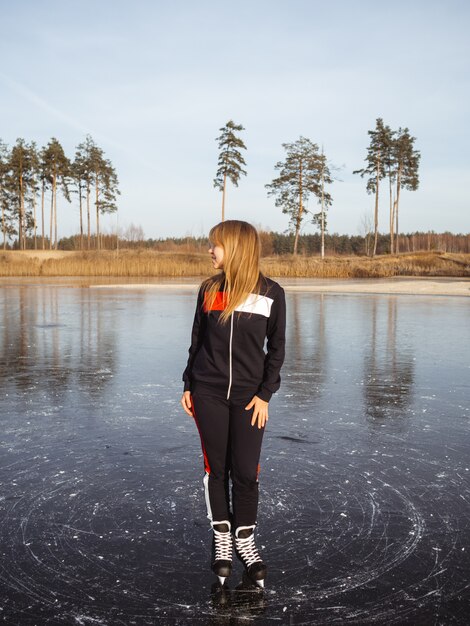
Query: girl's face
x,y
217,255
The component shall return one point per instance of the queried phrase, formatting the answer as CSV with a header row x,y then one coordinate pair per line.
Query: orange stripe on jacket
x,y
220,302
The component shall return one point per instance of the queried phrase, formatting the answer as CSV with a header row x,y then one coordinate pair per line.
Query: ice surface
x,y
365,496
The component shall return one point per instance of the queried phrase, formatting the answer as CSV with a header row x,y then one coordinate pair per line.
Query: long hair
x,y
240,275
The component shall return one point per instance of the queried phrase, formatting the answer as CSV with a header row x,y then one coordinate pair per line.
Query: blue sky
x,y
153,82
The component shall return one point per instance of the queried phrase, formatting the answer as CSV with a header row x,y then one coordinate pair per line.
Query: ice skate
x,y
246,550
222,550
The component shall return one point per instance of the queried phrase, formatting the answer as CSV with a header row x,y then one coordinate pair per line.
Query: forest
x,y
278,244
30,176
34,181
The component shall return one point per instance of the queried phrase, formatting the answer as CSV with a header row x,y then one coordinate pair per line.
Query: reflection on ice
x,y
365,509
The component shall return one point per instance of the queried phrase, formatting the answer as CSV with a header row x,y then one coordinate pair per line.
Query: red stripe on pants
x,y
207,468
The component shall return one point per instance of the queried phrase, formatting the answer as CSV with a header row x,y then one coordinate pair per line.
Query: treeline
x,y
31,177
306,171
282,244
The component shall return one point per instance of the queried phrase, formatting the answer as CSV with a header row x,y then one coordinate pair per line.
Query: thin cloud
x,y
42,104
38,101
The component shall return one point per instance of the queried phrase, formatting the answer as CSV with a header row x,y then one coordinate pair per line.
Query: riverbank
x,y
148,263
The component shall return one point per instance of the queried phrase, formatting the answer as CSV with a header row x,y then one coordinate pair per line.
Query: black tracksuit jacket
x,y
228,359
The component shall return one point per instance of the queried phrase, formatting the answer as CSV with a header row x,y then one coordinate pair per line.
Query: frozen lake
x,y
365,469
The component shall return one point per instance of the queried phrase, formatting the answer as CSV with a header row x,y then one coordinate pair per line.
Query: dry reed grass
x,y
413,264
129,263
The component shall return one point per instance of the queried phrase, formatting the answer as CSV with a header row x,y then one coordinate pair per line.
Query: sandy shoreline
x,y
407,286
396,285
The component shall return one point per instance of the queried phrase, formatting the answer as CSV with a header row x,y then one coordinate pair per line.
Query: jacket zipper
x,y
230,358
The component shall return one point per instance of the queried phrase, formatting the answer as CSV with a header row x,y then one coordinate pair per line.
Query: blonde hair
x,y
241,275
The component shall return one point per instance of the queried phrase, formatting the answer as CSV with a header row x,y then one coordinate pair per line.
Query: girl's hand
x,y
186,403
260,411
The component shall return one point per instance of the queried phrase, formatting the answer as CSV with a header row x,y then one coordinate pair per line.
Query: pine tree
x,y
390,172
406,160
230,159
106,187
106,190
320,218
57,168
301,174
45,183
4,197
381,140
92,170
83,177
20,183
35,177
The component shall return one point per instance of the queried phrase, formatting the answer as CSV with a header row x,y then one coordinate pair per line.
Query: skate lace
x,y
247,550
223,546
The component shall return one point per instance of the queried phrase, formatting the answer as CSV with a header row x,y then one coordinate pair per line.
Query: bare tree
x,y
133,233
366,229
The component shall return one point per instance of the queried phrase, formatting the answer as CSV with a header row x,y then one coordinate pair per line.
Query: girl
x,y
228,382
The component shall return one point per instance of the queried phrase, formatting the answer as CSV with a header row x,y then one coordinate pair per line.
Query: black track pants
x,y
231,447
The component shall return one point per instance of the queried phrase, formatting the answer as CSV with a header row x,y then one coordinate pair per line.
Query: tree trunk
x,y
20,229
376,212
117,233
223,197
391,213
397,237
56,241
52,221
322,212
54,209
397,202
81,213
35,224
88,212
42,212
98,243
301,209
4,227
